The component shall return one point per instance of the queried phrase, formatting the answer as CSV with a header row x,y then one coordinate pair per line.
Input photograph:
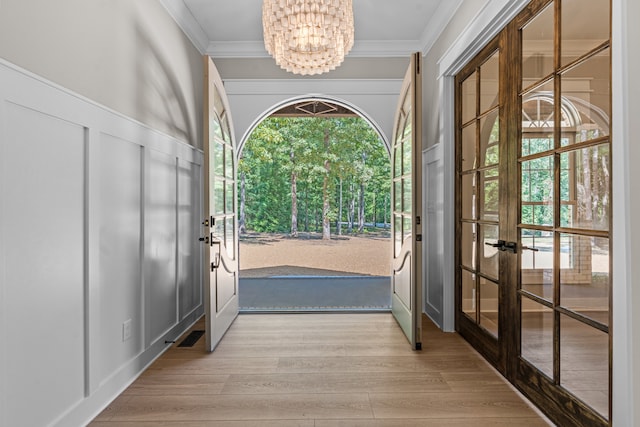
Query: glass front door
x,y
406,202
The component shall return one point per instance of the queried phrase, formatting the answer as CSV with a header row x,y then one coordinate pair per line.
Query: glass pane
x,y
406,224
406,157
217,101
229,236
397,231
216,128
586,98
584,277
469,294
584,363
489,204
218,229
537,191
489,256
218,159
489,72
397,157
226,129
469,147
406,195
397,195
536,262
218,197
407,127
538,47
468,245
469,196
228,162
229,208
401,123
585,25
584,188
538,119
537,335
489,306
469,98
489,139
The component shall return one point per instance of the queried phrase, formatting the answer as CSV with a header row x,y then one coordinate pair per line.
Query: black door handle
x,y
499,245
504,246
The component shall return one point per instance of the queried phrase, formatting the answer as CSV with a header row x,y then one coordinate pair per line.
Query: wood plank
x,y
247,407
174,384
444,405
213,365
439,422
413,363
336,383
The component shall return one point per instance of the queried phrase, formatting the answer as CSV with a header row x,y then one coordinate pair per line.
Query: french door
x,y
406,201
219,225
533,259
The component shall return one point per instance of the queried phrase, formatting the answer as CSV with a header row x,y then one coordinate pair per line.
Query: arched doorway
x,y
303,249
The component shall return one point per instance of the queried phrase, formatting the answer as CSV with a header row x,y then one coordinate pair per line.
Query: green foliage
x,y
346,149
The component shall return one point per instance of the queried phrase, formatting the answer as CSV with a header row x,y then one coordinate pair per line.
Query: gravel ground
x,y
263,255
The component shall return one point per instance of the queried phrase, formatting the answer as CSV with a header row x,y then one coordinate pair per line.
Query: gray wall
x,y
127,55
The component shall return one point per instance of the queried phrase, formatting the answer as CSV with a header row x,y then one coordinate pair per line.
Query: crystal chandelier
x,y
308,36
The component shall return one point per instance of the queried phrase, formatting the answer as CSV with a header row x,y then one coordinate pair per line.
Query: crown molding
x,y
187,23
237,49
181,14
361,49
497,13
438,22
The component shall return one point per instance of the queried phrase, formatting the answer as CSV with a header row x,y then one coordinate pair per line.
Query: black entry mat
x,y
191,339
315,293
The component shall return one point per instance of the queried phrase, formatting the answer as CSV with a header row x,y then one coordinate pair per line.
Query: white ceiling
x,y
233,28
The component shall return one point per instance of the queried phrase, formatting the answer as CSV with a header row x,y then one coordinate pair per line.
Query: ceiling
x,y
383,28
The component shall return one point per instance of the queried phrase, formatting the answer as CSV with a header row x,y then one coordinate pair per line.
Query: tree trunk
x,y
375,211
385,210
306,207
339,221
326,225
294,196
352,208
242,223
294,205
361,209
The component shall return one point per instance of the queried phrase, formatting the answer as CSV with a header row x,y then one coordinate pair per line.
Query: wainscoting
x,y
99,258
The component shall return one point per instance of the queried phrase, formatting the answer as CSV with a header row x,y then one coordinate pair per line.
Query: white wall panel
x,y
188,245
433,171
88,240
44,265
119,246
161,241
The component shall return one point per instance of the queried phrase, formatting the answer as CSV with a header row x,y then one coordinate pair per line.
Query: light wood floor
x,y
322,370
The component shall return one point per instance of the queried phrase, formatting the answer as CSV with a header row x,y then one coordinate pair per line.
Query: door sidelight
x,y
504,246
